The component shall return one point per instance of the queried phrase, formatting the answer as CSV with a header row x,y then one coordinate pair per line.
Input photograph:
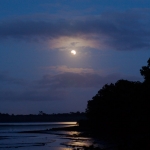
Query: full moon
x,y
73,52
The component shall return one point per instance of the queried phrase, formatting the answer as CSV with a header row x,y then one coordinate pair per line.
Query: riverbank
x,y
75,137
120,141
101,139
80,138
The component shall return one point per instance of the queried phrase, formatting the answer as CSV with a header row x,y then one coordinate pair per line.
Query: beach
x,y
40,136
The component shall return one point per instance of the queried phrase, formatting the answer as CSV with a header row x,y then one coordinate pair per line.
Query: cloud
x,y
57,87
112,30
6,78
79,80
65,69
30,94
70,42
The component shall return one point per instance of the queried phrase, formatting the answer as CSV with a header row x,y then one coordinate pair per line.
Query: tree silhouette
x,y
122,110
123,106
116,104
145,71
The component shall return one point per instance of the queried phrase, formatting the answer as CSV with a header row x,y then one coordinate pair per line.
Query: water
x,y
16,127
11,139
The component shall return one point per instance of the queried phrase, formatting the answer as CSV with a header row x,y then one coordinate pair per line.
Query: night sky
x,y
37,70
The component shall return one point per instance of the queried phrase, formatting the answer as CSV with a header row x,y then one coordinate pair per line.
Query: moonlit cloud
x,y
116,30
66,42
63,69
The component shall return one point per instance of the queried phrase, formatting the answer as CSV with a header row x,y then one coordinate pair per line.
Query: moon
x,y
73,52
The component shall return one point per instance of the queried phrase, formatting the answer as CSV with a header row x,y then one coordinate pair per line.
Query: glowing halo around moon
x,y
73,52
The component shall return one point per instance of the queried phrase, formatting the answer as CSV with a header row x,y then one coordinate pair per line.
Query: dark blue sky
x,y
37,70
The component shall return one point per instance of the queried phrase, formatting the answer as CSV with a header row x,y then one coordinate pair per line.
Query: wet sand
x,y
74,138
68,138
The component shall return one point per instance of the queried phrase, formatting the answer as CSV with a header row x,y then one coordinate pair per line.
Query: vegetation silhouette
x,y
43,117
145,71
121,110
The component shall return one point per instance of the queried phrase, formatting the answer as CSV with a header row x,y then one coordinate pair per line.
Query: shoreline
x,y
122,141
77,140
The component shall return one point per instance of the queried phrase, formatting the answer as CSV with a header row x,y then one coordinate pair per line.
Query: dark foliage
x,y
42,117
122,107
145,72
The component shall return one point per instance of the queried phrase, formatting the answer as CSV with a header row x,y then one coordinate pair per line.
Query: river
x,y
11,139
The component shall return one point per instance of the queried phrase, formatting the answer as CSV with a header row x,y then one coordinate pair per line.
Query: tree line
x,y
122,107
42,117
